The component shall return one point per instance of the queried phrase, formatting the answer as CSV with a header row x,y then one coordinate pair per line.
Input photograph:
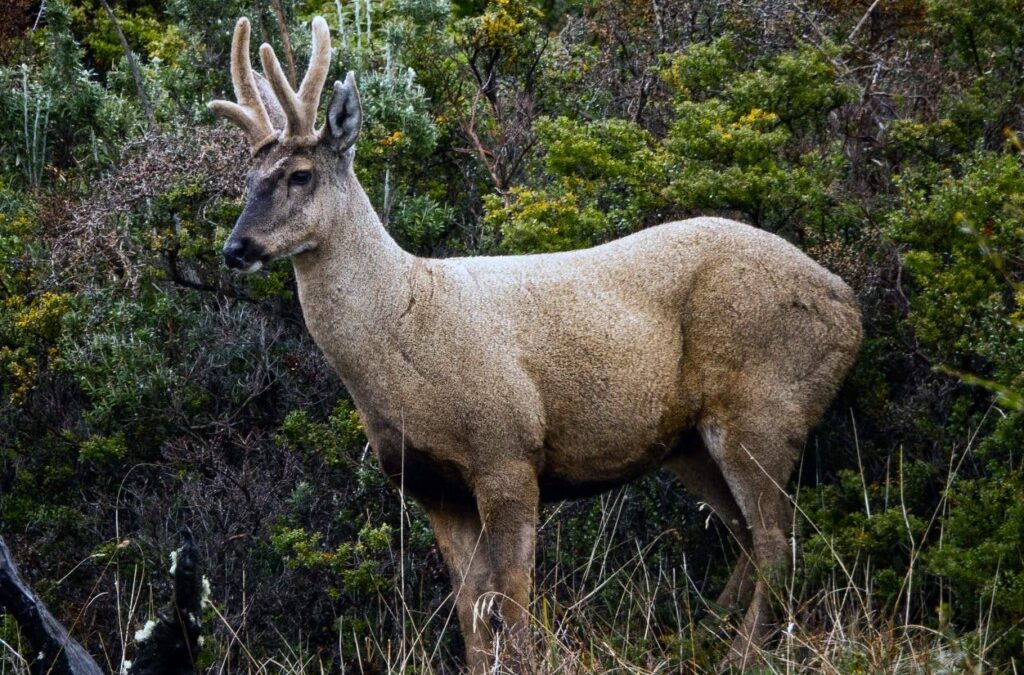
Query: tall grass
x,y
616,611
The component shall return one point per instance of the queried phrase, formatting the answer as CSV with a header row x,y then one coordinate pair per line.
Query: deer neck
x,y
353,288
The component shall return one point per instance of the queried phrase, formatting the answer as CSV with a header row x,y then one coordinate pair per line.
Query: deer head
x,y
301,174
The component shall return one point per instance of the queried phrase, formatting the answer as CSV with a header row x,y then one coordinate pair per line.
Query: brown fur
x,y
488,385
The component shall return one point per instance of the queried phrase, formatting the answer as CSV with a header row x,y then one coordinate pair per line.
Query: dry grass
x,y
614,612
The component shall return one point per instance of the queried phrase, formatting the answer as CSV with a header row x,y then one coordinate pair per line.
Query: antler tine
x,y
249,113
270,103
282,90
241,66
300,107
316,75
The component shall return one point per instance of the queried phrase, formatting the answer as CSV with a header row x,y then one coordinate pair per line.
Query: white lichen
x,y
174,562
146,632
125,667
206,591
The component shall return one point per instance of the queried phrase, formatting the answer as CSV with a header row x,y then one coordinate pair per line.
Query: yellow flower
x,y
392,139
755,116
43,313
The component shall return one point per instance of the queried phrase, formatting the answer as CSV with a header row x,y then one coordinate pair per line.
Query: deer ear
x,y
344,115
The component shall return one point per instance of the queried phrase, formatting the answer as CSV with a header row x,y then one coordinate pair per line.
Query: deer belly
x,y
587,476
425,477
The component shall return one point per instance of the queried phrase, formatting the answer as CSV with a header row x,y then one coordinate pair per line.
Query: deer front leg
x,y
459,536
508,499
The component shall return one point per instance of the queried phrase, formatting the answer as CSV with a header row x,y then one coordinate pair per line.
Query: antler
x,y
249,113
268,109
300,107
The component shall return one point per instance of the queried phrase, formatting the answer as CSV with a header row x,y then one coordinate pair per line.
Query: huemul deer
x,y
488,385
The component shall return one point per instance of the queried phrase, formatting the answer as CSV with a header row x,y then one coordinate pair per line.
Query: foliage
x,y
143,387
961,232
331,440
732,147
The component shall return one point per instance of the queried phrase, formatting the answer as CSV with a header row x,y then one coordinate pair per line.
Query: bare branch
x,y
133,66
863,19
289,55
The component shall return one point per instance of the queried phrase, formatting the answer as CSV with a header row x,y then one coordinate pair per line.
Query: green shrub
x,y
959,234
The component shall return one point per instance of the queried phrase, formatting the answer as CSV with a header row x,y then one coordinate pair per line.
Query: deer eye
x,y
299,177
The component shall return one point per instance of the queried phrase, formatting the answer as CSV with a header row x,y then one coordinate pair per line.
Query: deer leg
x,y
700,475
756,468
459,536
508,501
740,585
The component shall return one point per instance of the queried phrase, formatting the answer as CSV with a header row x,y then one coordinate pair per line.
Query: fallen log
x,y
54,650
167,645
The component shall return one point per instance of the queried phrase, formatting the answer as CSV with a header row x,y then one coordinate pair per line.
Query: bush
x,y
142,386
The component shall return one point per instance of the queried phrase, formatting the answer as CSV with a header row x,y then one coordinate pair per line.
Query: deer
x,y
488,386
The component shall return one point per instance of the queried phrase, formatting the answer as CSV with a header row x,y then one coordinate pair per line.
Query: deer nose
x,y
241,253
233,251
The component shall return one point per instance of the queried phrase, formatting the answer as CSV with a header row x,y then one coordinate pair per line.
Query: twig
x,y
282,26
486,157
856,29
42,10
134,67
341,23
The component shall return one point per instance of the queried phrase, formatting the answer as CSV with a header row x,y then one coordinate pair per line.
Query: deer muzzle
x,y
244,254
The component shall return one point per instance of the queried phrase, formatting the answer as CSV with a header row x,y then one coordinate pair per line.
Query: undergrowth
x,y
614,611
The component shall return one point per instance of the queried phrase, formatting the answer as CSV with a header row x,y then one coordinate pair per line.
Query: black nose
x,y
241,253
233,254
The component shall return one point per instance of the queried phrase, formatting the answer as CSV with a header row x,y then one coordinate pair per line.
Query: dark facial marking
x,y
259,203
240,251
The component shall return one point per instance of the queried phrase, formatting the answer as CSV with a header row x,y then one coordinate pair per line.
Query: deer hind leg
x,y
459,536
756,466
700,475
508,499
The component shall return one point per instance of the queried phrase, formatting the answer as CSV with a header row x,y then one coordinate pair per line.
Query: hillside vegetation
x,y
144,387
